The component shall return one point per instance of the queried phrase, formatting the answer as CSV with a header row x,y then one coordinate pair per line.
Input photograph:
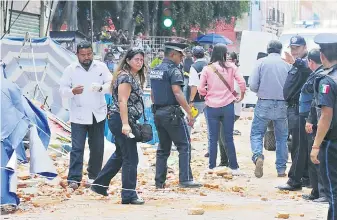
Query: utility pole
x,y
92,22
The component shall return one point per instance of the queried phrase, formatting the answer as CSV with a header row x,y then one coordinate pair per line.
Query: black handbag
x,y
142,132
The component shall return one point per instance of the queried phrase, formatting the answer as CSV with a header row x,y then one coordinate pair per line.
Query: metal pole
x,y
92,23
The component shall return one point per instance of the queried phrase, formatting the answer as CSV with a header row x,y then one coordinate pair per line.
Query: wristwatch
x,y
100,90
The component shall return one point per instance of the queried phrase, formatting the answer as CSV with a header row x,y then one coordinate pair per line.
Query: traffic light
x,y
167,20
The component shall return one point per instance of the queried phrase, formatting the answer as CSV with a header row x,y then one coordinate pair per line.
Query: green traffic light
x,y
168,22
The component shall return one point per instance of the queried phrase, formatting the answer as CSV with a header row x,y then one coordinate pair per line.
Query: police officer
x,y
167,96
297,76
324,149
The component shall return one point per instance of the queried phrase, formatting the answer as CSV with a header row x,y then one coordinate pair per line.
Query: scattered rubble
x,y
282,215
196,211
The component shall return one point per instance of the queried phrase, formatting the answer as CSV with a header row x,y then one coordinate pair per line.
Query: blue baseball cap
x,y
297,41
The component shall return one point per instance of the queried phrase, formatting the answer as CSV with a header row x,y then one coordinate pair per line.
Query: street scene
x,y
168,109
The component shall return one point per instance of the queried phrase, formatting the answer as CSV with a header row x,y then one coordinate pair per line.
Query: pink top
x,y
215,91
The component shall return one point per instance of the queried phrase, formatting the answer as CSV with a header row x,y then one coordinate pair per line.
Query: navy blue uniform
x,y
326,96
169,121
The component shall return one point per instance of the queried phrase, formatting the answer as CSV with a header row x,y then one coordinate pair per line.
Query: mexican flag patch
x,y
324,88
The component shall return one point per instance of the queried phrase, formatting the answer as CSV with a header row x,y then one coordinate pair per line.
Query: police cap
x,y
327,38
180,47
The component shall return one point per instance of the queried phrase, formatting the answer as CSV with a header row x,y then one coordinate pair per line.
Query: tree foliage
x,y
145,16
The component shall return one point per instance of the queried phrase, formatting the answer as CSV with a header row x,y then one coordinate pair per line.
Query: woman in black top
x,y
127,108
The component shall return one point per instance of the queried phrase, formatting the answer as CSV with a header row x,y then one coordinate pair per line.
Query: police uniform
x,y
326,96
169,120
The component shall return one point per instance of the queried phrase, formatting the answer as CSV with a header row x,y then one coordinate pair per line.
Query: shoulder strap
x,y
221,77
141,100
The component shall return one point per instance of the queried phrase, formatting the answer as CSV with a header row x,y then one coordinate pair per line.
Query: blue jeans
x,y
186,88
226,116
266,111
125,157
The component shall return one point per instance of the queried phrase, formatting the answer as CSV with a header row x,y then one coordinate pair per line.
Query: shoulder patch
x,y
324,88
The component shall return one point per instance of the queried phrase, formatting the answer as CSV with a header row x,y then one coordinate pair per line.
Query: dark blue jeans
x,y
226,116
125,157
96,145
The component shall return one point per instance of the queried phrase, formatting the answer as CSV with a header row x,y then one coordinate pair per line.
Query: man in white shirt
x,y
85,82
196,99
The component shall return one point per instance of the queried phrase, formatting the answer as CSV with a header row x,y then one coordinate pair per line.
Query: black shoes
x,y
136,201
290,187
189,184
160,186
206,155
309,197
223,164
321,200
98,190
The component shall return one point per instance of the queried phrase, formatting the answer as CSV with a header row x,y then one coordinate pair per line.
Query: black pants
x,y
96,145
125,157
222,145
299,166
314,173
328,170
171,126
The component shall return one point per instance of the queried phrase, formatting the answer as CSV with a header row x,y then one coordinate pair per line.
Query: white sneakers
x,y
236,172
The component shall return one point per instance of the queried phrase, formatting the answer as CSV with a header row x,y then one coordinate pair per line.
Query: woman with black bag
x,y
126,109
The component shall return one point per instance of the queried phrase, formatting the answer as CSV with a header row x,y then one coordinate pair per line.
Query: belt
x,y
293,105
163,106
279,100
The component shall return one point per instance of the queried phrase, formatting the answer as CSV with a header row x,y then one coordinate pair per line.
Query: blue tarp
x,y
17,115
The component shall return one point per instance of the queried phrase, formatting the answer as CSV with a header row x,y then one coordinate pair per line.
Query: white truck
x,y
252,42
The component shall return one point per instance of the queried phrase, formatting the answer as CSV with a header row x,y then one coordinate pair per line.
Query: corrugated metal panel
x,y
25,23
